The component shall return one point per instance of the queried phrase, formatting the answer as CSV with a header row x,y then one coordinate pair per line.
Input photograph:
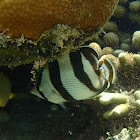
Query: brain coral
x,y
32,17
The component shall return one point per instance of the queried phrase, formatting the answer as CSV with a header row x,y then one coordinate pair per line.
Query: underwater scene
x,y
69,69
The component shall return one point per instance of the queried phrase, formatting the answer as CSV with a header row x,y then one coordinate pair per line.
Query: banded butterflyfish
x,y
75,75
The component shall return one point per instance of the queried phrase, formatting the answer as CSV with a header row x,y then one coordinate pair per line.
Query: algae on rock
x,y
14,52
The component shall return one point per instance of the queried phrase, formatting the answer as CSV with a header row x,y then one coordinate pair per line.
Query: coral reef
x,y
137,98
125,46
107,50
17,52
126,60
109,98
134,6
129,65
49,25
119,12
134,16
117,52
136,40
14,52
137,58
32,17
125,134
118,111
114,114
110,26
111,40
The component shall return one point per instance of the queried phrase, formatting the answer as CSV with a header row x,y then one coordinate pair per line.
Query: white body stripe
x,y
48,89
74,87
94,78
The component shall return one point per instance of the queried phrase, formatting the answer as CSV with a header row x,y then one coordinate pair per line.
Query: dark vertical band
x,y
76,62
55,78
107,63
90,55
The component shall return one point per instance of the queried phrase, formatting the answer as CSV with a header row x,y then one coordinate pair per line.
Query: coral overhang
x,y
32,17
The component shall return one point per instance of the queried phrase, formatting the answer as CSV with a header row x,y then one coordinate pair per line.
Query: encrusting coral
x,y
124,103
51,26
118,111
136,40
137,98
120,11
125,46
134,14
125,65
110,26
107,50
126,60
134,6
32,17
137,59
111,40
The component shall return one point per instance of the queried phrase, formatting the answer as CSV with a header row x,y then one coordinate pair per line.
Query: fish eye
x,y
97,72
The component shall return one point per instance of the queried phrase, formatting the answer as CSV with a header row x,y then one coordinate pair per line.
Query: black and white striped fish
x,y
74,76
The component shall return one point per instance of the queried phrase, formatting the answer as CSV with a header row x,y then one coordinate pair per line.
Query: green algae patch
x,y
14,52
